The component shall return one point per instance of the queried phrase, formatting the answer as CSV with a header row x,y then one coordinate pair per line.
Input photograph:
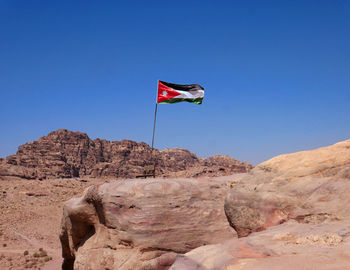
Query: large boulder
x,y
310,184
143,224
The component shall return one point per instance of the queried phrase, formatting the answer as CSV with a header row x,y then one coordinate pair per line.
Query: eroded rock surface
x,y
143,224
321,162
291,212
66,154
284,219
288,246
304,185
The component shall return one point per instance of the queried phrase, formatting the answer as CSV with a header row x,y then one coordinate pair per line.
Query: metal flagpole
x,y
155,117
154,124
154,130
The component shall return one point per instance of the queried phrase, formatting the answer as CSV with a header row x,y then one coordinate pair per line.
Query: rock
x,y
288,246
325,161
308,193
251,212
9,170
305,185
285,219
225,163
66,154
143,224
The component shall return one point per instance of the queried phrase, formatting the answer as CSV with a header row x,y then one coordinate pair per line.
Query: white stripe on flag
x,y
190,94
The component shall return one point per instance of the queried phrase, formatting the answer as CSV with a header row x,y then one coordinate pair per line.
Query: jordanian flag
x,y
173,93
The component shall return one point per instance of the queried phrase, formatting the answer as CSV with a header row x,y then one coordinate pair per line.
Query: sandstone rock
x,y
285,219
9,170
325,161
225,163
251,212
288,246
143,224
66,154
305,185
308,193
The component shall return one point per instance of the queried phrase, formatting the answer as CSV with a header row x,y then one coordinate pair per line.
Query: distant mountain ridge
x,y
65,154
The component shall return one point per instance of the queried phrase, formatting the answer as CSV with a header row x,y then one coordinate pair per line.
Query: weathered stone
x,y
9,170
324,161
288,246
285,220
278,190
143,224
309,193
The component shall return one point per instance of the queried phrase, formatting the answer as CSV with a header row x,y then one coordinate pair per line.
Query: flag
x,y
173,93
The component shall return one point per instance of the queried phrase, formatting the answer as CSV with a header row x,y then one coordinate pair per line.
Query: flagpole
x,y
154,131
155,118
154,124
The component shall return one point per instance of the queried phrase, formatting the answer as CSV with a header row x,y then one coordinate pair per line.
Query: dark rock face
x,y
65,154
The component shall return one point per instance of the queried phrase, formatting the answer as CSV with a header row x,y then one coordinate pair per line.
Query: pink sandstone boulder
x,y
304,185
143,224
290,246
291,212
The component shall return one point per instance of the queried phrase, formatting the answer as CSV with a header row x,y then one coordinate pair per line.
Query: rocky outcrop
x,y
293,186
288,246
321,162
9,170
289,212
66,154
142,224
284,219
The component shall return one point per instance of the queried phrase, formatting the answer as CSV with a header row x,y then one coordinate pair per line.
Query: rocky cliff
x,y
65,154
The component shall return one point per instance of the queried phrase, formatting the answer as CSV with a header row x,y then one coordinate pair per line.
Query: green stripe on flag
x,y
176,100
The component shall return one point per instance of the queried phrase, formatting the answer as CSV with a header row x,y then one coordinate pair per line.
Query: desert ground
x,y
31,212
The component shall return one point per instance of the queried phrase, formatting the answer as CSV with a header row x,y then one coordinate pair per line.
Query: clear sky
x,y
276,73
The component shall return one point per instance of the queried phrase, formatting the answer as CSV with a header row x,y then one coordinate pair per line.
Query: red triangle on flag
x,y
165,93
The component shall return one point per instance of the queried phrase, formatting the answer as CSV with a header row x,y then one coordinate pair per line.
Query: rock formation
x,y
66,154
299,185
290,212
288,246
142,224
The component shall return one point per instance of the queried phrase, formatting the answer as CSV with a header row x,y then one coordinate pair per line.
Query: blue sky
x,y
276,73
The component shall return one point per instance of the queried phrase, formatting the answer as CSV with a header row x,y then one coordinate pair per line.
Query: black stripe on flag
x,y
183,87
